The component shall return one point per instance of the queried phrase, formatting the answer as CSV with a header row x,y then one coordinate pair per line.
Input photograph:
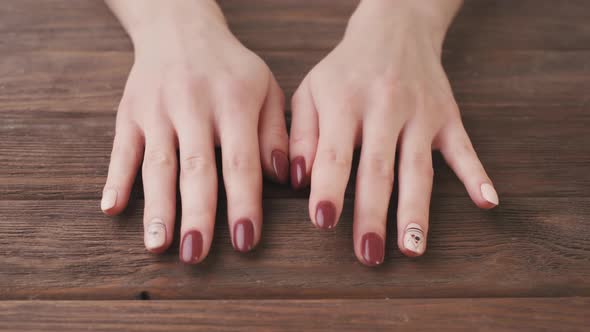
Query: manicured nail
x,y
109,199
372,249
243,235
489,193
415,239
155,236
325,215
298,173
191,247
280,164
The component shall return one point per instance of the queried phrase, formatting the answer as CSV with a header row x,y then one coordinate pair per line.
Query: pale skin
x,y
194,86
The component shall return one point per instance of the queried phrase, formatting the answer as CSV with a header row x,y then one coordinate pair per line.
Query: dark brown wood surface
x,y
519,314
521,75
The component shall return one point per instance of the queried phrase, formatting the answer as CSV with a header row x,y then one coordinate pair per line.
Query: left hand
x,y
384,86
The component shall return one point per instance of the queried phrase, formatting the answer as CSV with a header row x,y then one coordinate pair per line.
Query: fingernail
x,y
298,172
325,215
280,164
191,247
489,193
415,239
155,236
372,249
243,235
109,199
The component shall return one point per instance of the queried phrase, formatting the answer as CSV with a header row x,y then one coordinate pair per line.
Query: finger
x,y
459,153
374,184
198,186
242,176
125,160
159,186
331,168
303,136
415,187
274,141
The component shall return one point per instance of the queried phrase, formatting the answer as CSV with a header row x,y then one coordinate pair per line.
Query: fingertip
x,y
156,236
192,249
412,241
371,249
489,195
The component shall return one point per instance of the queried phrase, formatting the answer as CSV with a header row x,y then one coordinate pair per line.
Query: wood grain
x,y
511,314
68,250
520,71
87,25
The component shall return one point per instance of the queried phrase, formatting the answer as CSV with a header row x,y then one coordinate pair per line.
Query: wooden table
x,y
521,74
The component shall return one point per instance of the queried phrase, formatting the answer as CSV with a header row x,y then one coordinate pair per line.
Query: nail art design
x,y
415,239
155,236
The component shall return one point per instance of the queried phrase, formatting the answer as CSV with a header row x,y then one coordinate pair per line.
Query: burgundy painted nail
x,y
280,164
243,235
325,215
298,173
191,247
372,249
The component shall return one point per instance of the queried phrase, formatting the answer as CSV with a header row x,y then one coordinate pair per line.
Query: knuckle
x,y
378,166
241,163
336,157
159,158
421,162
236,89
196,164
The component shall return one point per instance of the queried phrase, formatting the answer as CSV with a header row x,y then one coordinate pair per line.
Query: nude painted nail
x,y
489,193
280,164
372,249
415,239
191,247
109,199
243,235
325,215
155,236
298,173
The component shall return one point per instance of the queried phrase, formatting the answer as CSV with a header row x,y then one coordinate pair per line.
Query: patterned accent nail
x,y
489,193
155,235
280,164
109,199
415,239
325,215
191,247
243,235
372,249
298,173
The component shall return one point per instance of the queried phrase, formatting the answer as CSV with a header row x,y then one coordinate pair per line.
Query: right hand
x,y
192,88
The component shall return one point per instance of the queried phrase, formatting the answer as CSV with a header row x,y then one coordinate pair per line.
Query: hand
x,y
194,86
384,86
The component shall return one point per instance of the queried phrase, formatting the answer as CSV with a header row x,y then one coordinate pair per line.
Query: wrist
x,y
163,24
431,16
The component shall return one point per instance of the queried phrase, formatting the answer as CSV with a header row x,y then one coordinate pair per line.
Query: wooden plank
x,y
86,25
508,314
69,250
541,151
